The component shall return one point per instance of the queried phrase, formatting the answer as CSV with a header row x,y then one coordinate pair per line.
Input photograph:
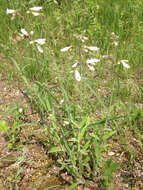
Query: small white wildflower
x,y
91,68
65,48
24,32
125,64
114,36
20,110
74,65
40,41
62,101
35,13
85,49
85,38
92,61
66,123
10,11
50,116
93,48
39,48
35,8
115,43
77,75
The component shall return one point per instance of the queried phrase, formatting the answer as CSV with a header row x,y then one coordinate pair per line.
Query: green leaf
x,y
83,126
97,153
54,149
108,169
86,146
73,186
4,127
108,135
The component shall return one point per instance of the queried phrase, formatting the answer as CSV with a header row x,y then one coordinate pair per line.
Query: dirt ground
x,y
27,165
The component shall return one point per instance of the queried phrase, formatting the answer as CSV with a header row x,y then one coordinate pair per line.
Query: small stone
x,y
111,153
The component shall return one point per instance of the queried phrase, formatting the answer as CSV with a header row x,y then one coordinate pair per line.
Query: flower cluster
x,y
23,33
11,12
41,41
33,10
90,62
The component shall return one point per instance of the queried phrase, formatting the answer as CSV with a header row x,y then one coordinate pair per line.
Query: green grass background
x,y
111,93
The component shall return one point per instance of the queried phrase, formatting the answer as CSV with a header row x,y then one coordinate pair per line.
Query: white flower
x,y
85,38
115,43
85,50
91,68
66,123
114,36
74,65
10,11
65,48
77,75
20,110
35,8
24,32
125,64
40,41
39,48
93,48
62,101
92,61
35,13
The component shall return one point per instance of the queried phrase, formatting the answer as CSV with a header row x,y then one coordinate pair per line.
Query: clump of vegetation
x,y
78,63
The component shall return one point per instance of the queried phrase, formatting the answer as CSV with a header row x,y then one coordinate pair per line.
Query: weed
x,y
78,63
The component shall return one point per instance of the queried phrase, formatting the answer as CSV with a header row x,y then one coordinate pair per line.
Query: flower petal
x,y
93,48
91,68
23,31
77,75
40,41
35,8
39,48
65,48
91,61
125,64
115,43
35,13
10,11
111,153
74,65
